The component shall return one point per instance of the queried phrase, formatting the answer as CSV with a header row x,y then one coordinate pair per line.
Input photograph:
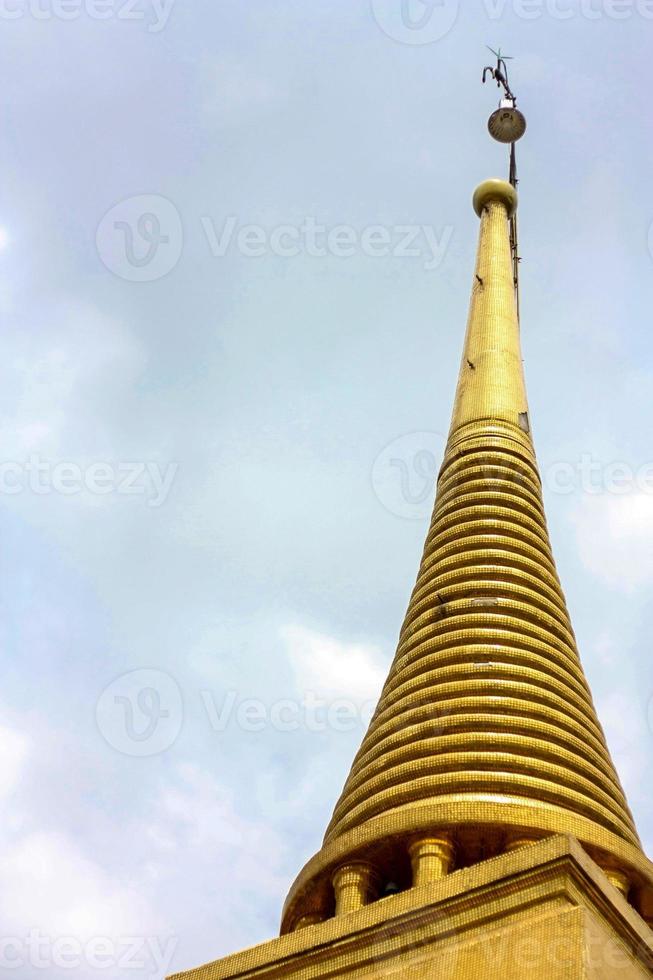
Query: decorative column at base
x,y
354,885
431,858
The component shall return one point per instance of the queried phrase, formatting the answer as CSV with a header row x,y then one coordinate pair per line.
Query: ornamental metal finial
x,y
500,73
507,124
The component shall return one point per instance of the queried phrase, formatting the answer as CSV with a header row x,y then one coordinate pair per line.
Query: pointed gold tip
x,y
495,190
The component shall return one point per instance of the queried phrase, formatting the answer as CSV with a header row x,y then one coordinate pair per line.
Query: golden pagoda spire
x,y
485,738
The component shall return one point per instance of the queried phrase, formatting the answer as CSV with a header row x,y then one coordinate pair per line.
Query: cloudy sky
x,y
236,245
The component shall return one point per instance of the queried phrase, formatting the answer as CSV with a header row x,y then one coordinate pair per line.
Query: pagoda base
x,y
544,911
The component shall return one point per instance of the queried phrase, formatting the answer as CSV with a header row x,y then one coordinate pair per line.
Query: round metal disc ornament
x,y
507,124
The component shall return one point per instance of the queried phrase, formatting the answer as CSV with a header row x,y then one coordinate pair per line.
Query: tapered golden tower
x,y
485,736
483,811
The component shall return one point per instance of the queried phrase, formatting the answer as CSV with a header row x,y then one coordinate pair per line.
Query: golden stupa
x,y
482,831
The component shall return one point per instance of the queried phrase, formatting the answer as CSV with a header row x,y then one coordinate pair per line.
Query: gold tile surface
x,y
545,912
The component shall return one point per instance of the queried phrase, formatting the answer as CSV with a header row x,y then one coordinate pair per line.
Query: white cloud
x,y
50,885
615,538
14,747
328,667
200,844
200,811
146,881
197,815
69,356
